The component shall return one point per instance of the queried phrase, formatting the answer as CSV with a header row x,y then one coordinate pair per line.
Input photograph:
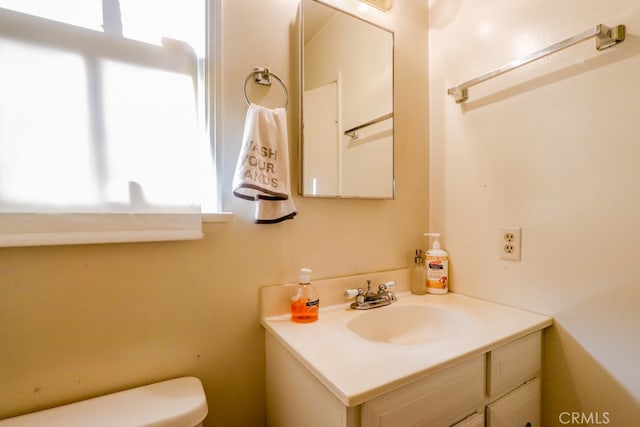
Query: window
x,y
102,121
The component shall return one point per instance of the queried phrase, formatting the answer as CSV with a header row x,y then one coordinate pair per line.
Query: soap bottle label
x,y
437,272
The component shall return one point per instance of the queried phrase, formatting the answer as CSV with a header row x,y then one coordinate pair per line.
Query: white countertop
x,y
356,370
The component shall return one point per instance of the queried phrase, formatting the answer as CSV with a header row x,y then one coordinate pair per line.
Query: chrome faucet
x,y
370,299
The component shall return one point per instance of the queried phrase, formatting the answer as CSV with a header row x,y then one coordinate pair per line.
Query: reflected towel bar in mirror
x,y
353,132
606,37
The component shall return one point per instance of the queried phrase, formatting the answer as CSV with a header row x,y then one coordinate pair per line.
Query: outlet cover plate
x,y
510,243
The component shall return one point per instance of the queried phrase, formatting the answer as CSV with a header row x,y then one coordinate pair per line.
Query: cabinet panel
x,y
520,408
512,364
294,397
440,399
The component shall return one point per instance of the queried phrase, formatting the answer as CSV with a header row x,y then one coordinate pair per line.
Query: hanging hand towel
x,y
262,170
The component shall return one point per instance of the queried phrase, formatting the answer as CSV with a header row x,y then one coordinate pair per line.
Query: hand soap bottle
x,y
418,283
437,267
305,302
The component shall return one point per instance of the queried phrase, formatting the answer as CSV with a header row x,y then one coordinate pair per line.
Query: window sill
x,y
217,217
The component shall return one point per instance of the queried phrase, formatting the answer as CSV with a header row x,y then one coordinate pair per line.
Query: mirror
x,y
347,105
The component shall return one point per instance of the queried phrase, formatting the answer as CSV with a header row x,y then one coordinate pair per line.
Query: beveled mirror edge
x,y
300,61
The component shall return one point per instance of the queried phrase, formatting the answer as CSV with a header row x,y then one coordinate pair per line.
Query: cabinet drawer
x,y
512,364
475,420
519,408
439,399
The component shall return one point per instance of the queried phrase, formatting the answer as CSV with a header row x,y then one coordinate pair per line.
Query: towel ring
x,y
262,76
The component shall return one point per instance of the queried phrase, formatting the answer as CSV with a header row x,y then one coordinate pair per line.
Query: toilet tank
x,y
180,402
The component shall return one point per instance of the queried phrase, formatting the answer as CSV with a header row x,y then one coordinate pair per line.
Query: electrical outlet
x,y
510,243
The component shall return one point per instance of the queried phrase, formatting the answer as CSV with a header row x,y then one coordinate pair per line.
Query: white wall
x,y
553,148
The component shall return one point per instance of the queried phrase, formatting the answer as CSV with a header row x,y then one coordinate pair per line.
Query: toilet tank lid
x,y
179,402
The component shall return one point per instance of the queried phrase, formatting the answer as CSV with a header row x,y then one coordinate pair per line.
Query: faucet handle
x,y
387,285
358,293
350,293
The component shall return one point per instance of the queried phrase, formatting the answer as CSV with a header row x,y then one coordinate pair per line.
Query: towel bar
x,y
606,37
263,76
353,132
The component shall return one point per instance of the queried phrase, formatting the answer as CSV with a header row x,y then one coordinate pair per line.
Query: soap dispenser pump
x,y
305,302
437,267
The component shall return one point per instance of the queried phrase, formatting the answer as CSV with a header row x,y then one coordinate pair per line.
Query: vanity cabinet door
x,y
441,399
513,364
520,408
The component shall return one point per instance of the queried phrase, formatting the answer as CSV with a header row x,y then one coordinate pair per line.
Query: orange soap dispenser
x,y
305,302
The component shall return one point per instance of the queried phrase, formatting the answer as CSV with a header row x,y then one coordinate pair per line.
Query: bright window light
x,y
82,13
144,20
99,116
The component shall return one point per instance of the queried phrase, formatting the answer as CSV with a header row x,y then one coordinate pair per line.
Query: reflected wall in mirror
x,y
347,105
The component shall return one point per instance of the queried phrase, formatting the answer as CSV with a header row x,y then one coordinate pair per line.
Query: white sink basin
x,y
409,324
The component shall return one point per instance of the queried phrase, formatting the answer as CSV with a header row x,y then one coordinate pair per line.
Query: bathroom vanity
x,y
483,370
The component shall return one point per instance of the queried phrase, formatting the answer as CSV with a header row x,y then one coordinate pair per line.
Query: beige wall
x,y
78,321
553,148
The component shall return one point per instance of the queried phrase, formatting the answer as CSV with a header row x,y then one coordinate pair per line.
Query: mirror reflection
x,y
347,105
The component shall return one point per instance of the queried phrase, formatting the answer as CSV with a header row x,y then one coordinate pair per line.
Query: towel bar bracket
x,y
262,76
605,37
